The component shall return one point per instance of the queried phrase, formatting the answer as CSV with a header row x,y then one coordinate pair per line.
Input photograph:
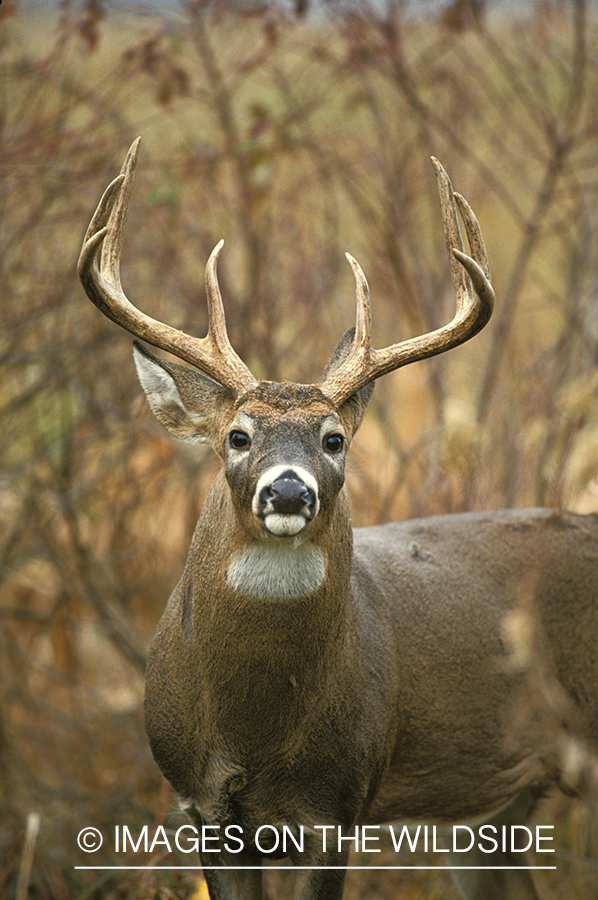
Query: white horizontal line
x,y
291,868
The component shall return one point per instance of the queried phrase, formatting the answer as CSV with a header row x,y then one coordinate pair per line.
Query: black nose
x,y
288,495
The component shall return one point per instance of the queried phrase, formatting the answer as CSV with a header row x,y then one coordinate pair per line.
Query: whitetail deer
x,y
307,675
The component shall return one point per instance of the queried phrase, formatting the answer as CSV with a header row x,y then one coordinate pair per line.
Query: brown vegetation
x,y
295,139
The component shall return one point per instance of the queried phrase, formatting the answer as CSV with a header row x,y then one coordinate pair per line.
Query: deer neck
x,y
261,657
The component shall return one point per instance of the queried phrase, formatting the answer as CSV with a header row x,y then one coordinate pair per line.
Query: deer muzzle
x,y
286,499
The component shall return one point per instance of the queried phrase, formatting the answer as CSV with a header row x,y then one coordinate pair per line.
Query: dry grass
x,y
295,140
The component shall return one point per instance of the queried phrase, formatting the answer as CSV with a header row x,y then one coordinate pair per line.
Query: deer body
x,y
412,673
305,675
452,587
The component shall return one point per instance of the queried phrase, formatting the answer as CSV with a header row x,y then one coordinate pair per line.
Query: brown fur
x,y
406,686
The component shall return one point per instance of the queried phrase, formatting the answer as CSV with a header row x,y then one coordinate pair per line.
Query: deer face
x,y
285,459
283,445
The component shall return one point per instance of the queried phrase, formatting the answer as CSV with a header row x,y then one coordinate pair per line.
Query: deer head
x,y
280,487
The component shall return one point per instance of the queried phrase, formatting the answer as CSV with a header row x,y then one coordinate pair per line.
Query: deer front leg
x,y
326,881
485,883
238,877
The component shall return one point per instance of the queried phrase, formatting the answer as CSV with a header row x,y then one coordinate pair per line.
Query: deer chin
x,y
284,524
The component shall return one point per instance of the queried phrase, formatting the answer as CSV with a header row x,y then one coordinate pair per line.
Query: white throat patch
x,y
277,570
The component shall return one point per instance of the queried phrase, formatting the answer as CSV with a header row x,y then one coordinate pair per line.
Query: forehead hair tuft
x,y
285,396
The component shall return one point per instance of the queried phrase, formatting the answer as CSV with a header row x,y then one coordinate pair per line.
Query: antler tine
x,y
361,347
213,354
217,332
474,302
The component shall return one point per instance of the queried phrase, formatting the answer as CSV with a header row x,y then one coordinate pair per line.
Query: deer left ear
x,y
353,409
189,405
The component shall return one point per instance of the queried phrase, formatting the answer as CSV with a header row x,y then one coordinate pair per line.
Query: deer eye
x,y
238,440
334,443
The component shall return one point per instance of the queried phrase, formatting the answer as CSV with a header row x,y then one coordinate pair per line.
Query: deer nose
x,y
289,496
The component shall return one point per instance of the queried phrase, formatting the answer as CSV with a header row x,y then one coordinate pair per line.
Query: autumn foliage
x,y
295,133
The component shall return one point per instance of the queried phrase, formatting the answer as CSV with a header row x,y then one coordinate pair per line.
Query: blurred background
x,y
295,131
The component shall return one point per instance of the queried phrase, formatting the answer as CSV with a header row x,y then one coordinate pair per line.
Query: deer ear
x,y
188,404
353,409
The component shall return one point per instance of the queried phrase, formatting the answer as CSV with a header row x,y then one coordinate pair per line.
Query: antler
x,y
364,363
213,354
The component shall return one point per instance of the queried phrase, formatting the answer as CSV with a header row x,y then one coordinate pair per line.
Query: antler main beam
x,y
213,354
475,302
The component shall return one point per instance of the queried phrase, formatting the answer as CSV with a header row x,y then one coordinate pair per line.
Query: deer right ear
x,y
185,401
353,409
